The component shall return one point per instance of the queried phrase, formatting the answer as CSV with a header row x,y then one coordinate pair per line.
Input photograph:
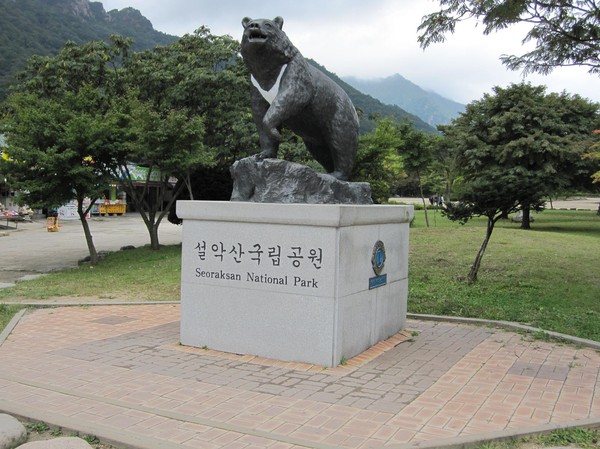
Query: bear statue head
x,y
265,36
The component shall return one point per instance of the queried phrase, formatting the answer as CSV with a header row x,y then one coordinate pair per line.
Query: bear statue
x,y
288,91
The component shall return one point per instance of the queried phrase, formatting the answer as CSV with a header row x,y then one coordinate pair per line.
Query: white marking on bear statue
x,y
270,94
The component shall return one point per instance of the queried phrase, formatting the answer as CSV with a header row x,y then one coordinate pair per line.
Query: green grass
x,y
6,314
546,277
575,437
579,437
140,274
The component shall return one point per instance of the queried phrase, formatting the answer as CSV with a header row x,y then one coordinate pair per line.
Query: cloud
x,y
373,39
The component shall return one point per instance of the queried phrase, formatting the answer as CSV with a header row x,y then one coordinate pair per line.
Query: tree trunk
x,y
475,267
188,183
154,243
423,199
87,232
526,218
152,226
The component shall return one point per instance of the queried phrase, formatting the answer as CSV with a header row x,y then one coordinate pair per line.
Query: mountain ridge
x,y
431,107
42,27
372,107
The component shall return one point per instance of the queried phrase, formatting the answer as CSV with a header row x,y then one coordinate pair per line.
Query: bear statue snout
x,y
255,33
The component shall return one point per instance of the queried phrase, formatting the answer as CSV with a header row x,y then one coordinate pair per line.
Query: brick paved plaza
x,y
118,372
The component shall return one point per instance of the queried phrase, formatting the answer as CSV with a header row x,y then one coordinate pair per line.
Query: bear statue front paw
x,y
266,154
274,134
339,175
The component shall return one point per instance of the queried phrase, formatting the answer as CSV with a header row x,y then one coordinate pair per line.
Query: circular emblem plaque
x,y
378,257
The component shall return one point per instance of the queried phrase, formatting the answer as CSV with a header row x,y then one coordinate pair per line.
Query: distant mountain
x,y
369,108
41,27
397,90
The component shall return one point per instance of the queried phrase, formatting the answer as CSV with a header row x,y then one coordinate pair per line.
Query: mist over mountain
x,y
431,107
370,108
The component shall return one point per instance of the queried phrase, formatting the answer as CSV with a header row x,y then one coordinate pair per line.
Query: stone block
x,y
12,432
292,281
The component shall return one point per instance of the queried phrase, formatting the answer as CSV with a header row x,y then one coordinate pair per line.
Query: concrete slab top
x,y
333,215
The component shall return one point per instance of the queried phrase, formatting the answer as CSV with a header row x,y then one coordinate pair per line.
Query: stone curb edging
x,y
507,325
48,305
497,436
11,325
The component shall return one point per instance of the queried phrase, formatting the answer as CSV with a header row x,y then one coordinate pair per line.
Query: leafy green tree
x,y
416,150
204,75
566,32
378,161
168,144
172,109
445,171
190,110
59,128
593,152
515,148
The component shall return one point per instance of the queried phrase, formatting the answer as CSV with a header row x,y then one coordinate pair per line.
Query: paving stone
x,y
452,379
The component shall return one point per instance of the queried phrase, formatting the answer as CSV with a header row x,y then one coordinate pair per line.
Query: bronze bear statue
x,y
288,91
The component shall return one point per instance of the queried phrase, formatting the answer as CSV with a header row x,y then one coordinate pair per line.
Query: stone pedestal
x,y
294,282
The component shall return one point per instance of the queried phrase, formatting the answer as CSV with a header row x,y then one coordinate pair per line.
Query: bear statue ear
x,y
279,21
246,21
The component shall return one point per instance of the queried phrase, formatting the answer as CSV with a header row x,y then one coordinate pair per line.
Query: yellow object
x,y
111,209
52,224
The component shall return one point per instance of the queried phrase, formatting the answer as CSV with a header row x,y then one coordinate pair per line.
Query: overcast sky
x,y
372,39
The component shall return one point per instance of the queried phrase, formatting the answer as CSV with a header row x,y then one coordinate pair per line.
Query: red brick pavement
x,y
119,371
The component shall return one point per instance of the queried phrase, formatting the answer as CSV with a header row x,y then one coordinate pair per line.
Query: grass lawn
x,y
140,274
547,277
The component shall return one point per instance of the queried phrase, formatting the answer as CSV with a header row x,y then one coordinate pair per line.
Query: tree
x,y
378,161
166,144
484,195
445,168
515,148
171,110
416,151
59,128
190,110
594,153
204,75
566,32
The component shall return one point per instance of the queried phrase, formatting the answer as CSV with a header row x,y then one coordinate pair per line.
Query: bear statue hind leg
x,y
344,146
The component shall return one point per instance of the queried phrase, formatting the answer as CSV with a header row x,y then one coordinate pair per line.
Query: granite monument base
x,y
295,282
